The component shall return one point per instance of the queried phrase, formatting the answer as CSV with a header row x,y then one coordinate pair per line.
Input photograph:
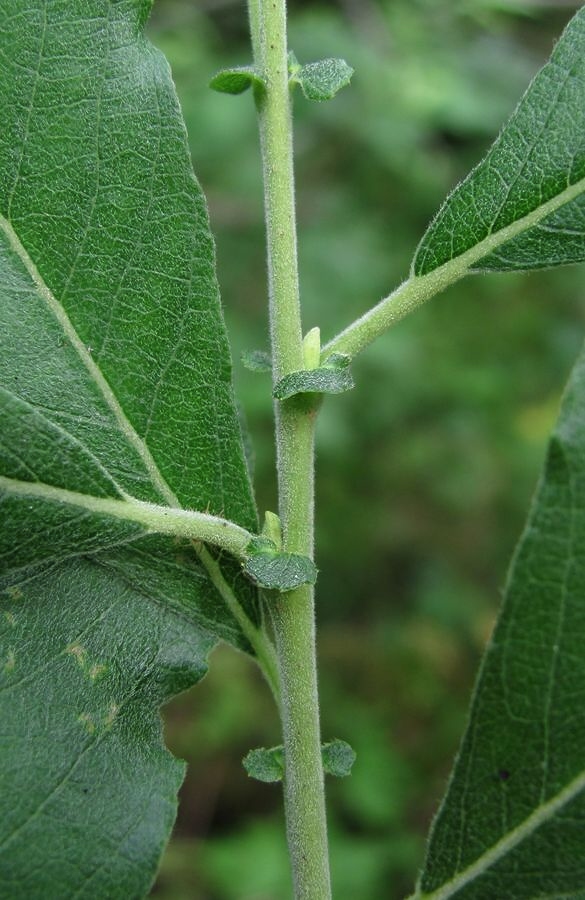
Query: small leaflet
x,y
257,360
272,529
333,377
320,80
338,758
265,764
268,764
235,80
273,570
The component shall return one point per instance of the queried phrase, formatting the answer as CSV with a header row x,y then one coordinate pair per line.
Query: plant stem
x,y
294,627
417,289
404,300
292,613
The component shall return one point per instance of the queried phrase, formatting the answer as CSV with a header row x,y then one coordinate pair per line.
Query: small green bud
x,y
272,529
312,348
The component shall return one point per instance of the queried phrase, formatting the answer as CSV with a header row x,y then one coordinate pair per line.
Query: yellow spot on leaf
x,y
96,670
88,723
10,618
10,663
112,715
79,652
92,669
14,592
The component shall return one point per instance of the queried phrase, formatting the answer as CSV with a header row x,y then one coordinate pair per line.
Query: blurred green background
x,y
425,470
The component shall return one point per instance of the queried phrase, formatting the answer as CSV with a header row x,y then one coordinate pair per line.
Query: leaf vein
x,y
521,832
86,358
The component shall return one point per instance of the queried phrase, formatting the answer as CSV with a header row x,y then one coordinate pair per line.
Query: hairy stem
x,y
294,627
292,613
417,289
404,300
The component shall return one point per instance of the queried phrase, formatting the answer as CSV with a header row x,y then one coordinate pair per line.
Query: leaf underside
x,y
513,820
323,79
115,380
280,571
236,80
538,158
88,788
257,361
268,765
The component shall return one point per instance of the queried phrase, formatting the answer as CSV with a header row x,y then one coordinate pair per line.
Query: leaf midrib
x,y
153,517
487,162
495,239
90,365
541,815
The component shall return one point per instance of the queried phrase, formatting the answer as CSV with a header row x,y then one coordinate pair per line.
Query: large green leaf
x,y
523,206
88,789
512,823
115,382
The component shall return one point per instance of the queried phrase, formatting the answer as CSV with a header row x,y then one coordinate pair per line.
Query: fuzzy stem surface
x,y
293,613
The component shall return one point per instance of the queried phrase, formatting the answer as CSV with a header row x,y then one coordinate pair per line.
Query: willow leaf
x,y
115,385
523,206
511,824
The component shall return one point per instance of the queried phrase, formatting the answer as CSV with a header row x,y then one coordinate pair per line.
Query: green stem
x,y
292,613
419,288
404,300
293,619
273,103
256,29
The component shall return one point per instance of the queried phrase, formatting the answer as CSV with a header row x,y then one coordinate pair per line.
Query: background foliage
x,y
424,471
